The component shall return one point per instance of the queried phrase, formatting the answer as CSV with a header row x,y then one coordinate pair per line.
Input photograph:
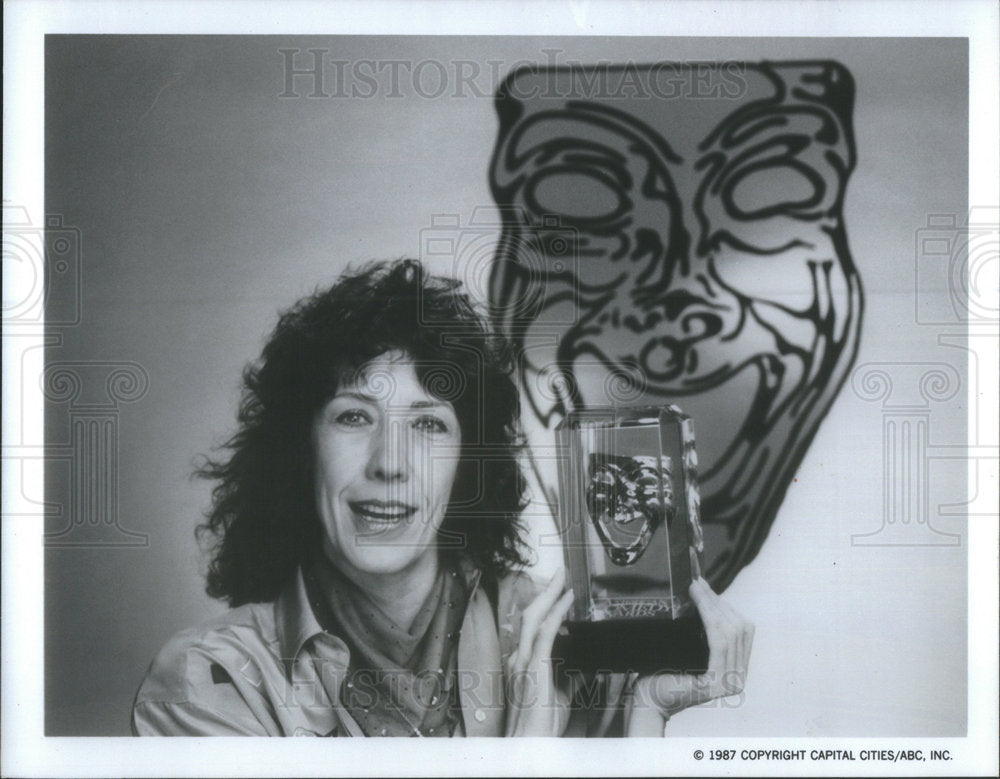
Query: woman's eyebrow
x,y
365,397
427,404
356,395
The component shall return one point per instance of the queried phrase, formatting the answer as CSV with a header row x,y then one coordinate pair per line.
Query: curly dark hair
x,y
263,522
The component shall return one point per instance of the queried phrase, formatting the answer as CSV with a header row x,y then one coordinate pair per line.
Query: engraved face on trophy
x,y
709,265
628,498
631,537
628,510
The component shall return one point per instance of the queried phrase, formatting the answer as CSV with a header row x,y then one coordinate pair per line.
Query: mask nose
x,y
698,307
388,459
682,308
684,299
701,305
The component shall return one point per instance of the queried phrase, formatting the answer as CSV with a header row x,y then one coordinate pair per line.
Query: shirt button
x,y
480,715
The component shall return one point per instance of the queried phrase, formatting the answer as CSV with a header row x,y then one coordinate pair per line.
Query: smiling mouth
x,y
382,515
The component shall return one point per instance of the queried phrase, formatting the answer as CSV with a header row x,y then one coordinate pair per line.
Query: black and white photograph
x,y
578,371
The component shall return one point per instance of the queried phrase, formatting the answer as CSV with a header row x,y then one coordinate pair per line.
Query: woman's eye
x,y
429,424
352,418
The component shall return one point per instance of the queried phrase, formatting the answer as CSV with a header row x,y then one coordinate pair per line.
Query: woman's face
x,y
386,454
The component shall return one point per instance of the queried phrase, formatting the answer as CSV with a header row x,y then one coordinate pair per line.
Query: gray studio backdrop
x,y
200,185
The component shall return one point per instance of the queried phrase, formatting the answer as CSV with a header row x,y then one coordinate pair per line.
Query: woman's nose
x,y
389,457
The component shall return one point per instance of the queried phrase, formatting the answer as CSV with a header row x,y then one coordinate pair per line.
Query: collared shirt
x,y
269,669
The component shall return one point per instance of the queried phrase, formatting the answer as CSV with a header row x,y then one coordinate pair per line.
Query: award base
x,y
645,645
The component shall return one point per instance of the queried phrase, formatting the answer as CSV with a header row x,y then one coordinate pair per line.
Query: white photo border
x,y
27,752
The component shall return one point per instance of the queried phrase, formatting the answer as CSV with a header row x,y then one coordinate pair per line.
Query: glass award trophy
x,y
631,534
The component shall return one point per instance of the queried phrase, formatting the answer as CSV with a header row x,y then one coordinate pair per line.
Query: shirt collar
x,y
294,619
296,623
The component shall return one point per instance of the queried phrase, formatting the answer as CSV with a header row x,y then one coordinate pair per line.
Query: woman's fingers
x,y
536,612
550,626
717,631
743,631
730,639
748,633
731,681
545,636
646,704
539,668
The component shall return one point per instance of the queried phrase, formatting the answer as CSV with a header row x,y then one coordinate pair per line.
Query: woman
x,y
366,533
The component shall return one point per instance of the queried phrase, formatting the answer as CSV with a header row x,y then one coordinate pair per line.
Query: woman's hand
x,y
534,706
730,637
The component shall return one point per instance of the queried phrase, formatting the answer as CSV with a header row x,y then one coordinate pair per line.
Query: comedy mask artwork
x,y
670,243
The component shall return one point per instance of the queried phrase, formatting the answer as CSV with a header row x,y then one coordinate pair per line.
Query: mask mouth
x,y
628,498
